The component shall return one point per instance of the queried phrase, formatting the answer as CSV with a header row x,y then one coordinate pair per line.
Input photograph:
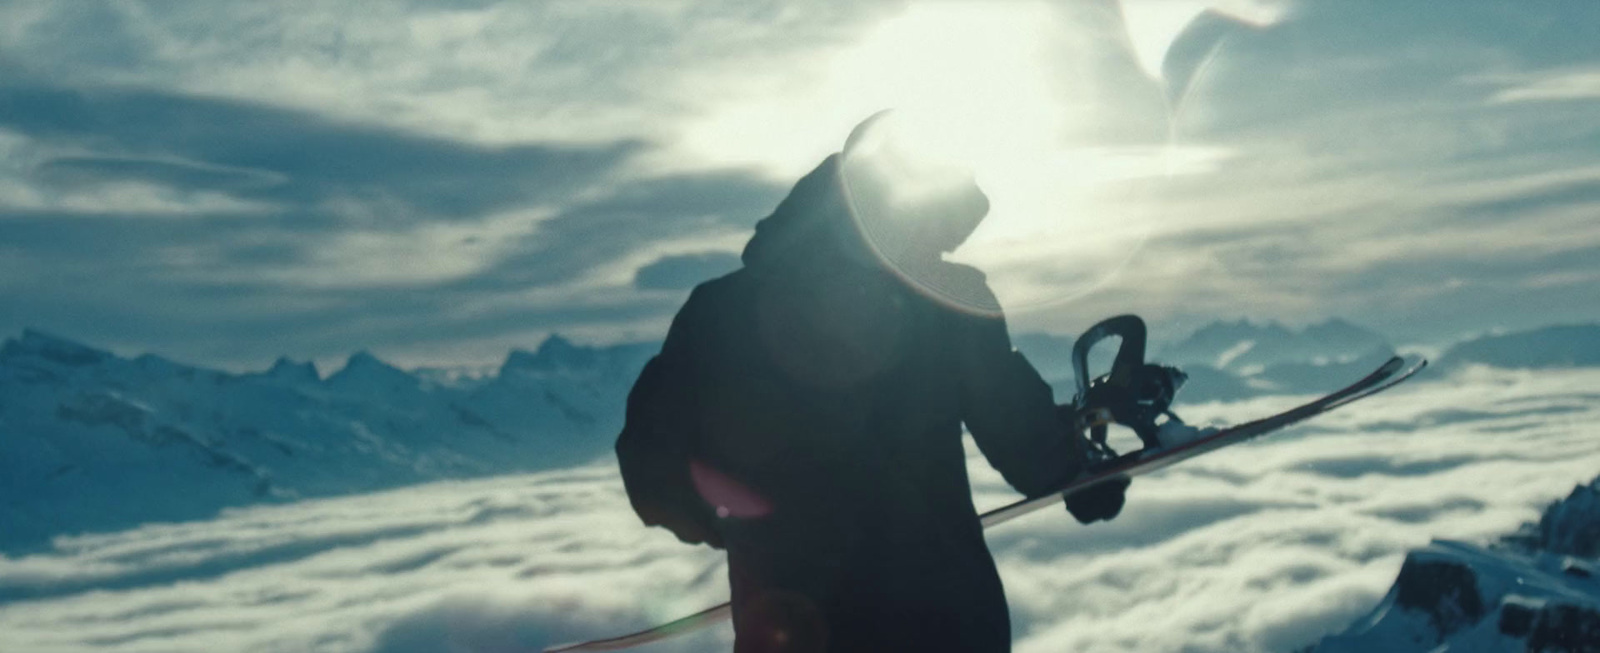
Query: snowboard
x,y
1391,373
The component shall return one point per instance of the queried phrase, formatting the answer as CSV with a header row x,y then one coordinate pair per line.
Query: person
x,y
805,413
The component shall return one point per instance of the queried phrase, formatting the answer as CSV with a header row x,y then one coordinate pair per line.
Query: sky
x,y
439,181
1259,548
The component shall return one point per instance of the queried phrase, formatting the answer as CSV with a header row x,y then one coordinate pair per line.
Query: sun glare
x,y
1152,26
989,82
970,70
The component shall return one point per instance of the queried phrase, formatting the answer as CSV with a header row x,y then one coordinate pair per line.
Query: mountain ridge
x,y
1561,345
99,441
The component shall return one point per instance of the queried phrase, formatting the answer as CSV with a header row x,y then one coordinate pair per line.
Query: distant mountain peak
x,y
1241,328
558,349
556,353
363,368
1566,345
289,370
39,344
556,342
364,358
1339,331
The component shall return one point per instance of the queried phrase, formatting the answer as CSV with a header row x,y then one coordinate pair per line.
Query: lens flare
x,y
1070,156
1046,225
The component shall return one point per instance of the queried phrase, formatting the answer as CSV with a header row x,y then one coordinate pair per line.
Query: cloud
x,y
1512,251
1263,547
319,160
474,563
701,207
1582,84
344,235
1373,175
497,169
310,179
488,72
685,271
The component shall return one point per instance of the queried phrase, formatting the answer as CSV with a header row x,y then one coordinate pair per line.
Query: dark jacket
x,y
835,391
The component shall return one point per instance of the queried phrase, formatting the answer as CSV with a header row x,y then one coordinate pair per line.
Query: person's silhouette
x,y
805,413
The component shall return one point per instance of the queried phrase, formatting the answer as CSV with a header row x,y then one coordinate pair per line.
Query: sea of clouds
x,y
1261,547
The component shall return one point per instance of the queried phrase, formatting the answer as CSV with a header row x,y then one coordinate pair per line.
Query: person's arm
x,y
657,438
1012,415
1011,412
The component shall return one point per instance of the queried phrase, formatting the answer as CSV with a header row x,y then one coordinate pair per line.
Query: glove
x,y
1101,501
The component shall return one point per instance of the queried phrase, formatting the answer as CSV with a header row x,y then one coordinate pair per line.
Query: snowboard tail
x,y
1391,373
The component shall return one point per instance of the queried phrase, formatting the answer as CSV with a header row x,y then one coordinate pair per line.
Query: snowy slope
x,y
90,441
1535,591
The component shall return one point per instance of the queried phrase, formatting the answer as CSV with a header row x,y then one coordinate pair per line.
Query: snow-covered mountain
x,y
1576,345
1538,590
1237,360
90,441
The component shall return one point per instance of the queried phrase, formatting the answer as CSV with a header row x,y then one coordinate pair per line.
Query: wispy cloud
x,y
1554,86
190,180
1374,172
291,214
493,158
487,72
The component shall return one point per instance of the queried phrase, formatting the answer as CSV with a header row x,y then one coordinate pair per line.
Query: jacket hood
x,y
810,229
812,236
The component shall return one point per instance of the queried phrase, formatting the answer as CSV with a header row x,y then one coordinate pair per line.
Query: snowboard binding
x,y
1134,393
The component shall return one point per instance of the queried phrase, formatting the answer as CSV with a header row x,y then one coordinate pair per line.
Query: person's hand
x,y
1099,502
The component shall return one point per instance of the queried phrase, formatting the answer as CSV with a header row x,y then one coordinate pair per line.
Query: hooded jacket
x,y
824,395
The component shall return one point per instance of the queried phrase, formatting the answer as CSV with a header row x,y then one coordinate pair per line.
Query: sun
x,y
996,85
971,68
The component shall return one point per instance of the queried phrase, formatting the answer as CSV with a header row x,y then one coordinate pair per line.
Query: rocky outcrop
x,y
1536,591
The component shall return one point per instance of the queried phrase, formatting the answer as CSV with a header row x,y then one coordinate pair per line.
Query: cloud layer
x,y
1263,547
